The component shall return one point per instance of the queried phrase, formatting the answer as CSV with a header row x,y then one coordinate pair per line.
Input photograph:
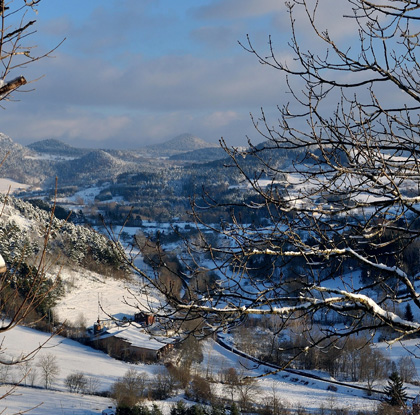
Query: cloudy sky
x,y
137,72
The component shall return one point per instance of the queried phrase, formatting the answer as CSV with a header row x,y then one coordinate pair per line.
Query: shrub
x,y
130,389
162,385
199,390
180,375
138,410
179,409
76,382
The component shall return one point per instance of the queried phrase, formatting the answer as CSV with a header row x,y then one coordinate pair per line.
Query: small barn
x,y
130,342
146,319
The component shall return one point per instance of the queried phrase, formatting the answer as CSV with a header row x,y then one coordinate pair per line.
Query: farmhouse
x,y
130,342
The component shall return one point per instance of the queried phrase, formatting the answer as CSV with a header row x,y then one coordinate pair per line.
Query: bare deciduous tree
x,y
407,369
230,378
336,182
49,369
248,391
130,389
16,53
76,382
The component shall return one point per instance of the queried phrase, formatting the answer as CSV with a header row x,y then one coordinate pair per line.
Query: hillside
x,y
295,392
93,166
22,237
41,162
201,155
22,164
57,148
21,222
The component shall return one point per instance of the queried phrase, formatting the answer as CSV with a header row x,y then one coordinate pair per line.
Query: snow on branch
x,y
330,252
373,308
12,85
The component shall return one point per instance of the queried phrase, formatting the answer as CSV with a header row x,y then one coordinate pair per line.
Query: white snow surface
x,y
82,299
84,291
90,294
41,402
137,337
73,357
10,186
85,196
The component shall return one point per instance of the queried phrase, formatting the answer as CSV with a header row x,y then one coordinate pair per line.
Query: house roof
x,y
137,337
2,265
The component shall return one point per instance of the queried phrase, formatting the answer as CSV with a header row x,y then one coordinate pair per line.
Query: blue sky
x,y
139,72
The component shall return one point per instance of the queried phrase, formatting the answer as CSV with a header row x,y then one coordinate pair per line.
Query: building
x,y
144,318
130,342
2,265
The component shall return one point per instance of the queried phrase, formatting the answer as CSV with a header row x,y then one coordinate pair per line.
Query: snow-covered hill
x,y
23,229
179,144
93,166
57,148
90,295
83,290
19,163
293,391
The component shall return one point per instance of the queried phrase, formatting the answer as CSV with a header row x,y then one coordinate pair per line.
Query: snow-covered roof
x,y
2,264
137,337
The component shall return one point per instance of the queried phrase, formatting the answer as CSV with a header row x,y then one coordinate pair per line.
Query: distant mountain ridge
x,y
21,164
201,155
95,165
57,147
40,162
182,143
7,145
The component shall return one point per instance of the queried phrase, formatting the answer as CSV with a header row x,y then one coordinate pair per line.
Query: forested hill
x,y
23,228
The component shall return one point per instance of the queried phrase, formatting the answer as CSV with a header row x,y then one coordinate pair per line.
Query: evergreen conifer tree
x,y
408,315
179,409
395,391
234,410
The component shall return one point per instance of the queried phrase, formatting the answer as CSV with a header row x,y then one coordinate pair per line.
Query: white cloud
x,y
68,125
134,74
237,9
221,118
331,15
220,37
167,83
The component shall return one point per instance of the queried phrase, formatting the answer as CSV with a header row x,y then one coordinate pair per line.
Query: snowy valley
x,y
95,287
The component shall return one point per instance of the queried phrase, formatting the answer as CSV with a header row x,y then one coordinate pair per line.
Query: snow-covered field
x,y
72,356
85,196
41,402
84,292
89,295
293,391
84,289
10,186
